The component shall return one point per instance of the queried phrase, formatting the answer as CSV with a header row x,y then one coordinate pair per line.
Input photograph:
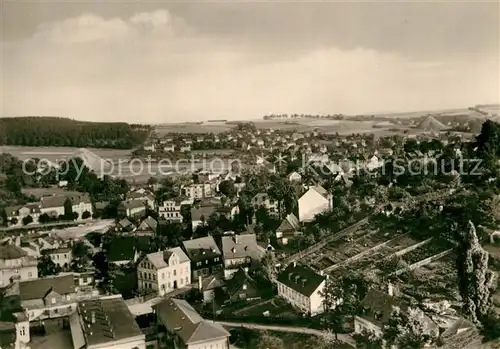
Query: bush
x,y
27,220
86,215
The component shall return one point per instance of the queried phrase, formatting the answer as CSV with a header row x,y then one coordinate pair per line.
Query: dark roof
x,y
294,277
240,278
180,317
11,252
56,250
205,211
39,288
289,224
113,320
7,333
201,248
149,222
121,248
381,305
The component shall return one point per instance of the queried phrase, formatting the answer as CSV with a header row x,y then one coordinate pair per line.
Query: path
x,y
341,337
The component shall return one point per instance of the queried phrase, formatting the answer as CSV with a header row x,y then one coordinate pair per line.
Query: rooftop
x,y
301,278
180,317
39,288
106,320
201,248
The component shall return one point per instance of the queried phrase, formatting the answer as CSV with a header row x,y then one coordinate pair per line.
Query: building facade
x,y
164,271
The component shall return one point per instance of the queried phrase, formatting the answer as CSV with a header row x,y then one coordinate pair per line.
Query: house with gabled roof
x,y
313,202
187,329
148,224
288,229
49,297
302,287
205,256
242,286
240,250
164,271
123,250
132,208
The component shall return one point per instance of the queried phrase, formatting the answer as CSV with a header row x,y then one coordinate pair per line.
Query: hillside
x,y
52,131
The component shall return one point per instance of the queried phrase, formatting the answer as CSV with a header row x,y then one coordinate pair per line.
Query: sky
x,y
171,61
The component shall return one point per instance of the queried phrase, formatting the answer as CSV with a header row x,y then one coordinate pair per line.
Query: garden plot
x,y
425,251
435,281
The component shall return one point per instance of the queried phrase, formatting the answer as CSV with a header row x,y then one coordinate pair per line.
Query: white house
x,y
164,271
16,265
302,287
15,214
198,190
264,200
294,176
60,256
171,210
240,250
315,201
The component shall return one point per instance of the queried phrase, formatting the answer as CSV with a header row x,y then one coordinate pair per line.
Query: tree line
x,y
54,131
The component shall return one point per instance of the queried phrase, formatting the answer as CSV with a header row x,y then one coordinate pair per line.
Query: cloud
x,y
153,67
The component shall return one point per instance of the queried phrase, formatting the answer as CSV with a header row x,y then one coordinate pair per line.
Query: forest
x,y
64,132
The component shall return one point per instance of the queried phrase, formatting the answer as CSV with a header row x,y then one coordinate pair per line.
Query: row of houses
x,y
54,206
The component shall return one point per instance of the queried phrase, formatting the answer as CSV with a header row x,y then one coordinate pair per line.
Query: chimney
x,y
390,289
92,316
200,284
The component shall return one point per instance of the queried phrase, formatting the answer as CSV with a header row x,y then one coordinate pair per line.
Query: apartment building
x,y
205,256
198,190
240,251
164,271
170,210
16,265
302,288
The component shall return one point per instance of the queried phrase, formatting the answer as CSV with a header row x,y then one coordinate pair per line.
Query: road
x,y
341,337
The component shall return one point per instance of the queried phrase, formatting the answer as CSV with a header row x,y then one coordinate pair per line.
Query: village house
x,y
15,331
164,271
242,287
240,250
378,308
105,323
169,148
49,297
294,176
200,215
146,197
205,256
185,148
198,190
302,288
122,250
315,201
15,215
187,329
210,285
81,204
148,224
149,147
60,256
53,205
264,200
16,265
132,208
170,210
125,225
288,229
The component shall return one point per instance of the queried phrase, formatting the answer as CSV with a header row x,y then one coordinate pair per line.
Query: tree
x,y
267,341
227,188
47,267
406,329
27,220
86,214
14,221
476,281
367,340
44,218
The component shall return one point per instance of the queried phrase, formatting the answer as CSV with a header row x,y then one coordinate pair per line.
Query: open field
x,y
193,128
54,154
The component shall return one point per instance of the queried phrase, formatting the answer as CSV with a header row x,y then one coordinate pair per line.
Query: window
x,y
206,262
30,274
65,256
198,264
187,280
53,300
244,287
22,331
181,281
175,272
68,297
163,276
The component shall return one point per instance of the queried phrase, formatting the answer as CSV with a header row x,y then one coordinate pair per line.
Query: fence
x,y
423,262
